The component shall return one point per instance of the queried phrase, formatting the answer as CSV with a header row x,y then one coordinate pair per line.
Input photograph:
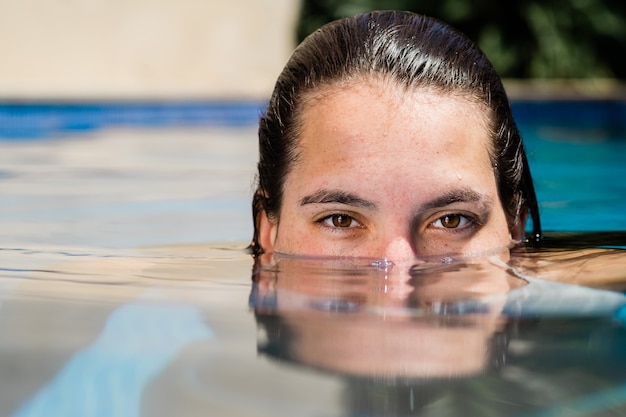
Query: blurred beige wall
x,y
67,49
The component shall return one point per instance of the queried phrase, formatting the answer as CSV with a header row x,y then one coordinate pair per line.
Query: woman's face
x,y
386,172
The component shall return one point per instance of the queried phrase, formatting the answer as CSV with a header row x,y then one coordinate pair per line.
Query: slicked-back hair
x,y
413,51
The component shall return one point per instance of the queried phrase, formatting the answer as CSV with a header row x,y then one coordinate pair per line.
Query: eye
x,y
452,221
340,221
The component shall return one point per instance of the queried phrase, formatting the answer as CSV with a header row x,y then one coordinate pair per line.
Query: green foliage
x,y
523,38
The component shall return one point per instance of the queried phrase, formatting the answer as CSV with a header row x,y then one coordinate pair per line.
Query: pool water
x,y
126,290
577,151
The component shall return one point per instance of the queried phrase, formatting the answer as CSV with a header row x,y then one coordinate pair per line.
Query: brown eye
x,y
338,221
451,221
341,220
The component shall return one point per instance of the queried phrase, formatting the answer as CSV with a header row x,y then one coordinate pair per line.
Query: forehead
x,y
380,115
394,146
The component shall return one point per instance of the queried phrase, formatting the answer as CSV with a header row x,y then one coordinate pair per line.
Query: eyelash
x,y
467,222
324,222
471,222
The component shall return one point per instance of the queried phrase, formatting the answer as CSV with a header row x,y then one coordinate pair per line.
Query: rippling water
x,y
194,330
126,290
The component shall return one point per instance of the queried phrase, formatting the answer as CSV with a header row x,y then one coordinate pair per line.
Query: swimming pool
x,y
126,289
576,151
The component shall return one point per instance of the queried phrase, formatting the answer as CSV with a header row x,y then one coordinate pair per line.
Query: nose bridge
x,y
398,248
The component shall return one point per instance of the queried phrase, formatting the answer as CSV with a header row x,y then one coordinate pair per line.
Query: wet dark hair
x,y
414,51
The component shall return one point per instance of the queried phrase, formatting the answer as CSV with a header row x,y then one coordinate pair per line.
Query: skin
x,y
386,172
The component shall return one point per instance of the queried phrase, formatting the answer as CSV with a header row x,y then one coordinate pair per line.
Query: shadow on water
x,y
580,240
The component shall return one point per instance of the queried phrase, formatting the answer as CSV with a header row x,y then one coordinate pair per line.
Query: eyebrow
x,y
462,195
337,197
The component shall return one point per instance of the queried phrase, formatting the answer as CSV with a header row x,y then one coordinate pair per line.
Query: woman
x,y
389,134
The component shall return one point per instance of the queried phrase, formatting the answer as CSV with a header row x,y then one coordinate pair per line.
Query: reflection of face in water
x,y
434,320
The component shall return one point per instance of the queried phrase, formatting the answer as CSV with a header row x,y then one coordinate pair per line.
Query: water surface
x,y
126,289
